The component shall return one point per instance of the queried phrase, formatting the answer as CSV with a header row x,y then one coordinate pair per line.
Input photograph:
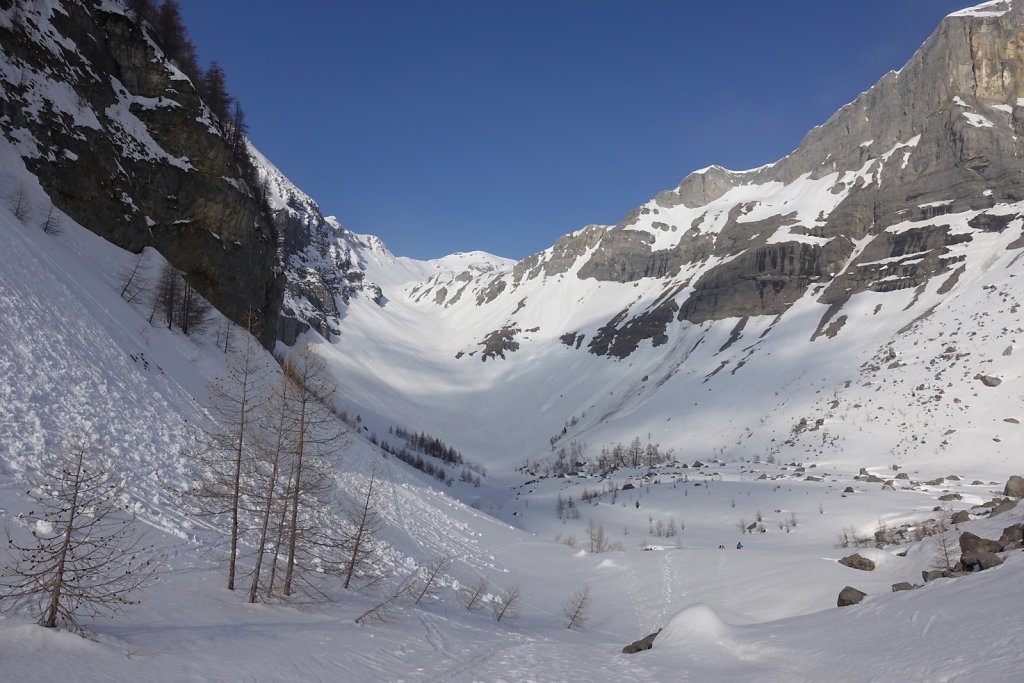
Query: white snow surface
x,y
994,8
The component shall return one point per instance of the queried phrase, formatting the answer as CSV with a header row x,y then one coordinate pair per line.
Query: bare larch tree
x,y
227,441
82,554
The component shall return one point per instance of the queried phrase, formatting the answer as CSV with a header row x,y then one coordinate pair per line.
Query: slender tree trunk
x,y
280,534
50,621
264,529
294,524
274,452
361,530
237,484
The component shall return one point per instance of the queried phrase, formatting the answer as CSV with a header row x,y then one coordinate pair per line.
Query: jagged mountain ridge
x,y
326,263
875,235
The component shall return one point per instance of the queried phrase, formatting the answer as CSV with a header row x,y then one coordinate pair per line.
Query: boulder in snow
x,y
980,560
850,596
856,561
645,643
970,543
1002,507
1012,537
1014,487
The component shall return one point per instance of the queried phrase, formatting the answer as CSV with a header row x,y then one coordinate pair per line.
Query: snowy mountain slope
x,y
863,281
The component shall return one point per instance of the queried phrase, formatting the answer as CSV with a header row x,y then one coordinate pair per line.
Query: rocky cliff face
x,y
121,141
320,258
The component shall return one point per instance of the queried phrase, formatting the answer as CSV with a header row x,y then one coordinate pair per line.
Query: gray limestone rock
x,y
1004,506
972,543
915,133
1014,487
961,516
645,643
980,560
856,561
1012,536
850,596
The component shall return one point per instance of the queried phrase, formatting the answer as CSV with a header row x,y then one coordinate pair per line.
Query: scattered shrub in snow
x,y
508,604
361,541
178,303
946,546
51,224
384,611
19,203
133,285
472,596
427,583
577,608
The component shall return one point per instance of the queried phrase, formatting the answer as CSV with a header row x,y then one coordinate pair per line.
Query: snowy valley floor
x,y
763,613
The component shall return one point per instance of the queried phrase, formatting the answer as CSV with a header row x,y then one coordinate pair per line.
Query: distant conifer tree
x,y
215,93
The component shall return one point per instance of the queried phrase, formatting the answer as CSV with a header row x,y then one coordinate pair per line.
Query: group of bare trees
x,y
177,303
263,476
174,301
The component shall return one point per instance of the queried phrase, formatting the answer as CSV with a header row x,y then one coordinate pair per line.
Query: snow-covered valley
x,y
78,354
698,475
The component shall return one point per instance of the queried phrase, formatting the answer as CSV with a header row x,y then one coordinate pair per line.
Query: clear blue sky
x,y
454,125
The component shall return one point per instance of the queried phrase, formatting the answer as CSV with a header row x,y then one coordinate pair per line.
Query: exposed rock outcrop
x,y
941,137
121,141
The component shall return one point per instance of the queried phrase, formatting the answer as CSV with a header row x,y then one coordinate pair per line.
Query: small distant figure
x,y
721,547
638,505
739,545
